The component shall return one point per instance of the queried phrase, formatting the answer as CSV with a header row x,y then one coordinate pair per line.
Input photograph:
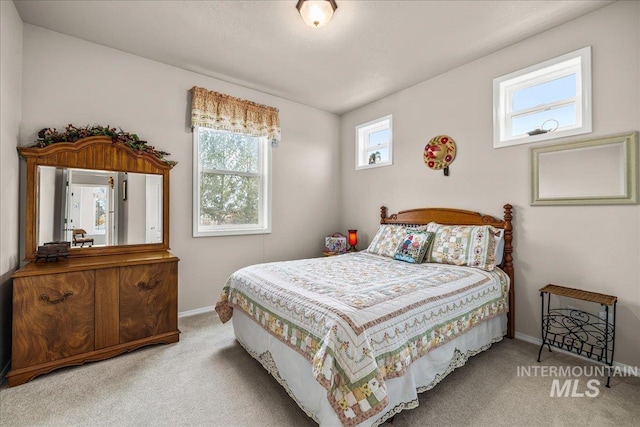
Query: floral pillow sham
x,y
465,245
389,237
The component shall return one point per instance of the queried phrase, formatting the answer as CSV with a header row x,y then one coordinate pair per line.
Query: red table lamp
x,y
353,240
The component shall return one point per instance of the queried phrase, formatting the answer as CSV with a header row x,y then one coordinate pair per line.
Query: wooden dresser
x,y
86,309
116,295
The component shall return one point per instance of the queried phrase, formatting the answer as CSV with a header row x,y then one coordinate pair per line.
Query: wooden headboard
x,y
462,217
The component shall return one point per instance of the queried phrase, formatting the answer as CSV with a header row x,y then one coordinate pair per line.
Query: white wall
x,y
135,208
10,111
67,80
46,205
594,248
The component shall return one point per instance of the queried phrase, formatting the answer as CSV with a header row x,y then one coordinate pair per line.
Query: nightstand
x,y
327,253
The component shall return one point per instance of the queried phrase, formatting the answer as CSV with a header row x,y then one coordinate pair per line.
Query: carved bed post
x,y
383,214
508,268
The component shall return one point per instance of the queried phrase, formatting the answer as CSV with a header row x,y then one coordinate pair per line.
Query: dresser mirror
x,y
96,208
594,172
101,197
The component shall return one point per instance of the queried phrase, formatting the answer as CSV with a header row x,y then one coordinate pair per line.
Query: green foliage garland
x,y
48,136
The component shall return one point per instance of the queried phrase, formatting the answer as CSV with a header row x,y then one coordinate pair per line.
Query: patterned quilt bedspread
x,y
361,318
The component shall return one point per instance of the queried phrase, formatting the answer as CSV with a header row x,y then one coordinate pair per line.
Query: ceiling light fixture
x,y
316,13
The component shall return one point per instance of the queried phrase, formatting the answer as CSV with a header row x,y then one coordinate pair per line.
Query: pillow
x,y
414,246
386,240
388,237
465,245
499,236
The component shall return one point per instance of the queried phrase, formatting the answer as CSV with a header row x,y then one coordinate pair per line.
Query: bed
x,y
354,338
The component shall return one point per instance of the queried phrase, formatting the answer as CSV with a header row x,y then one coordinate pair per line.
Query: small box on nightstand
x,y
335,243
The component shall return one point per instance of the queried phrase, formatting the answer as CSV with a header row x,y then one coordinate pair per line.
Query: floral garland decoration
x,y
48,136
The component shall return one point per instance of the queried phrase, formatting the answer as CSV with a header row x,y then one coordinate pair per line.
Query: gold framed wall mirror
x,y
102,197
601,171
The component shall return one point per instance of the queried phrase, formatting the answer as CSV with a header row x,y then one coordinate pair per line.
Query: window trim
x,y
367,129
578,62
264,173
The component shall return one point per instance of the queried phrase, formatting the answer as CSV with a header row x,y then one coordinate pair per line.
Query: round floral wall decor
x,y
440,152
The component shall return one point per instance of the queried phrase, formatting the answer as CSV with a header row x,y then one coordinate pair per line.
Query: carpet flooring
x,y
207,379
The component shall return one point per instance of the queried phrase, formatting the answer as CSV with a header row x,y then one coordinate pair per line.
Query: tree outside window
x,y
231,177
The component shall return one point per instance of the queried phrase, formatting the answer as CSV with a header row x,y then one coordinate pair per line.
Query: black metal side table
x,y
578,331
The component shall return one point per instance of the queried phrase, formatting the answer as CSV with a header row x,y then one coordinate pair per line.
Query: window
x,y
374,143
231,178
100,210
545,101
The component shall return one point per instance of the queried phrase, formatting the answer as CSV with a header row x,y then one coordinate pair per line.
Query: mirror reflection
x,y
94,208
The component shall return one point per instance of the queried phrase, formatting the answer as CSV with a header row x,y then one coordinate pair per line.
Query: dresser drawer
x,y
148,295
53,317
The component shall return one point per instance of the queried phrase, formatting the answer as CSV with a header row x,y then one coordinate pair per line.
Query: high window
x,y
374,143
545,101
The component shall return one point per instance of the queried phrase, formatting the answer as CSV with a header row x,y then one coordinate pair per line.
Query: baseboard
x,y
196,311
538,341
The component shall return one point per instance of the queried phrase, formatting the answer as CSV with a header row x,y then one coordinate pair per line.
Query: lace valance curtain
x,y
223,112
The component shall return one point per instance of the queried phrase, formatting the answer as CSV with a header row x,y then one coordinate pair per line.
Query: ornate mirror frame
x,y
100,153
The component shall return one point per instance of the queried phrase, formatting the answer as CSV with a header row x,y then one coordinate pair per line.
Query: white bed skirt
x,y
294,372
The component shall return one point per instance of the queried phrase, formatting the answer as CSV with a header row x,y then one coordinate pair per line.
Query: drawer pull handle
x,y
48,300
148,286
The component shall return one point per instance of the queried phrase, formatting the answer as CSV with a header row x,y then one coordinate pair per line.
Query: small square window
x,y
374,143
545,101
